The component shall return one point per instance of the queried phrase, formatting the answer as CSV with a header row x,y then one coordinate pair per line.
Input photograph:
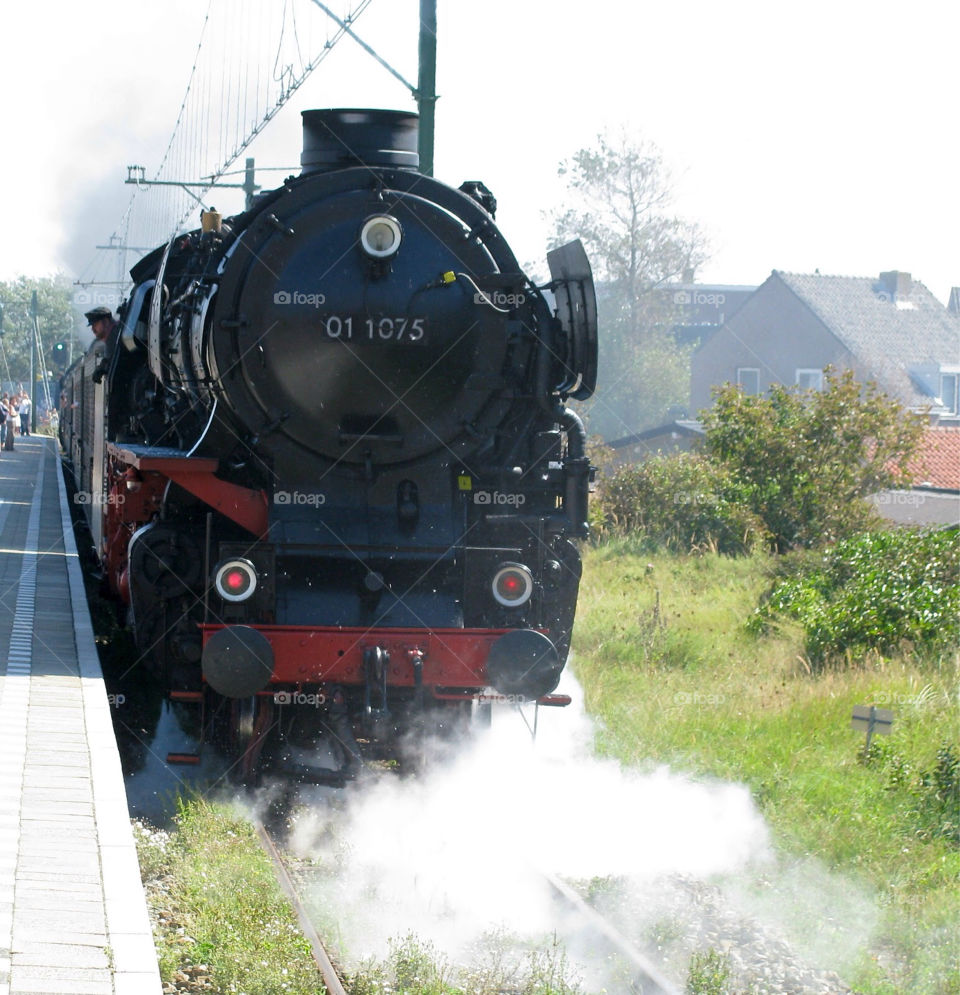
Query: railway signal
x,y
59,355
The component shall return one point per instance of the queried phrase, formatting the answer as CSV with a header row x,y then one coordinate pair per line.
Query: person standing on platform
x,y
13,419
24,413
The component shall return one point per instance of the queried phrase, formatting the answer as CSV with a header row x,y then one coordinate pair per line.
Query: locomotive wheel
x,y
170,566
252,721
166,562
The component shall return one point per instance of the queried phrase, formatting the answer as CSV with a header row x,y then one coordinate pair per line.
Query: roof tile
x,y
937,460
892,335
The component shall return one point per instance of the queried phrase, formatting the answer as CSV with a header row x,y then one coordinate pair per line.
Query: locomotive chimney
x,y
336,139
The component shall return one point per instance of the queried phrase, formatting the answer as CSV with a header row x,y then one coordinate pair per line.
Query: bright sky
x,y
802,135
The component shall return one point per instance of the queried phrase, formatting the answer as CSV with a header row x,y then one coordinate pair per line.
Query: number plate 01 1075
x,y
350,328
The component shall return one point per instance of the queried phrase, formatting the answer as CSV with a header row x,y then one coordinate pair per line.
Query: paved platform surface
x,y
73,919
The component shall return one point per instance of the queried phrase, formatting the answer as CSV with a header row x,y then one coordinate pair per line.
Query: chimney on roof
x,y
688,274
896,284
953,306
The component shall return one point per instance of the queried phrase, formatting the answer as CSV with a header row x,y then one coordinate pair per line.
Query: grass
x,y
418,968
669,667
224,909
709,974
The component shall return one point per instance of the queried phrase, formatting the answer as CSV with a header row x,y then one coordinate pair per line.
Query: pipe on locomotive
x,y
577,469
577,465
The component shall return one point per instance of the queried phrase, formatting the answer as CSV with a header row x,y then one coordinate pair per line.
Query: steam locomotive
x,y
330,469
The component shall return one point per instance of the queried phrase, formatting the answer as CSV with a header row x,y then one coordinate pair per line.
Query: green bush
x,y
803,461
939,797
787,470
679,502
875,591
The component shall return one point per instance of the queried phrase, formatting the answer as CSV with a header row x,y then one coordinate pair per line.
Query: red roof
x,y
937,460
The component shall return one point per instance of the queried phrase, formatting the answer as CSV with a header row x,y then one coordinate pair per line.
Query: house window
x,y
748,379
810,379
950,392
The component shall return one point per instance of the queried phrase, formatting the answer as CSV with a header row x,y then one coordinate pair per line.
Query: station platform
x,y
73,918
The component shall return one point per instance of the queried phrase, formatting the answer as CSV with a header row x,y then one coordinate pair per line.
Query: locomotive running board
x,y
196,474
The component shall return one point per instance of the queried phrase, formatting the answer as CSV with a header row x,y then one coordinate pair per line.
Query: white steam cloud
x,y
455,854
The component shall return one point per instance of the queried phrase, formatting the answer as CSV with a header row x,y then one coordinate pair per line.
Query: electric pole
x,y
34,313
427,83
249,186
425,92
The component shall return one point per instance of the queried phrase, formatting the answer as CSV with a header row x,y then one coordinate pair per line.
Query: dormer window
x,y
950,392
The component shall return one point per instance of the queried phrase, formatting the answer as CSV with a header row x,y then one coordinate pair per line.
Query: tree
x,y
57,321
622,191
803,460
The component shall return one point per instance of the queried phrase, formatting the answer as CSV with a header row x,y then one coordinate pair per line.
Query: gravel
x,y
692,918
152,849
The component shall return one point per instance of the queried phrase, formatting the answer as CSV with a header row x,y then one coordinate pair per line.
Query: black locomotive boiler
x,y
328,461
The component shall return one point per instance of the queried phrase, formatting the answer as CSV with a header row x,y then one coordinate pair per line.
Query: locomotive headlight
x,y
512,585
380,236
235,580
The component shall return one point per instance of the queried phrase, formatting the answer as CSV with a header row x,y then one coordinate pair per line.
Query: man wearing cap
x,y
102,323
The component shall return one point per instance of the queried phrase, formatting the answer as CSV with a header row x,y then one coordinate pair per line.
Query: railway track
x,y
325,966
645,977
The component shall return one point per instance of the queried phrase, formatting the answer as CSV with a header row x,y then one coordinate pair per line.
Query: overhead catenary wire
x,y
243,72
